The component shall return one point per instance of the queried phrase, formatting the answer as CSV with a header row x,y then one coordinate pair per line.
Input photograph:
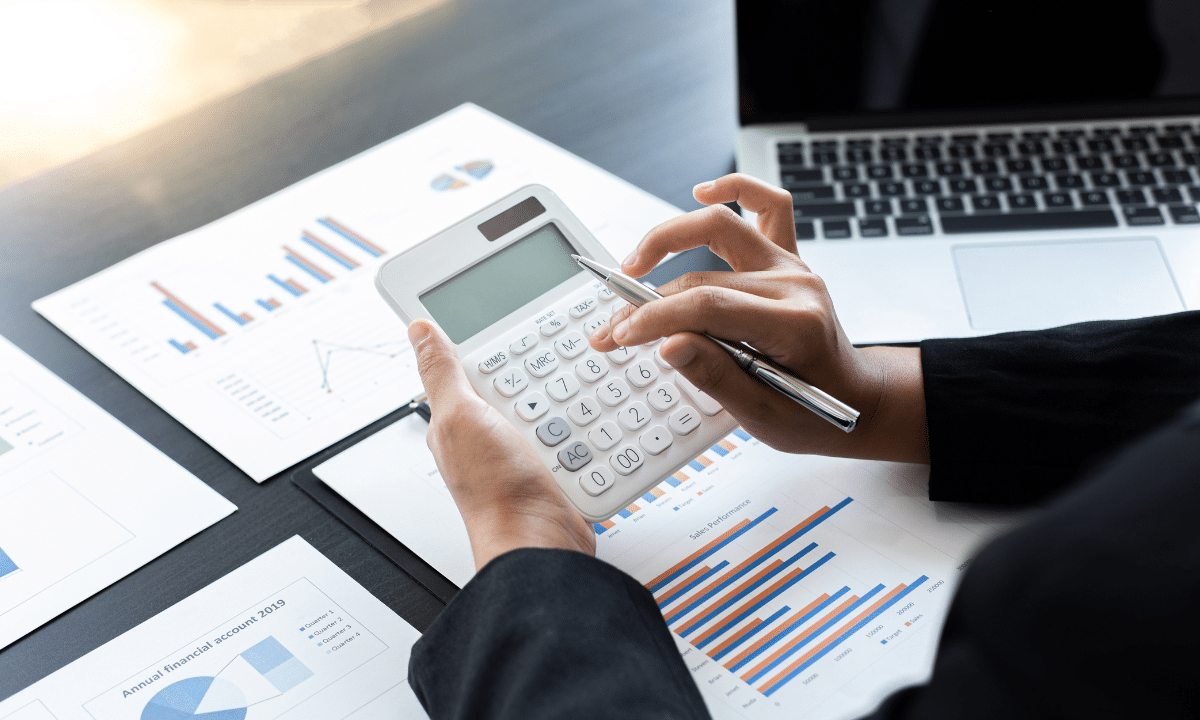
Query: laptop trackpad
x,y
1024,286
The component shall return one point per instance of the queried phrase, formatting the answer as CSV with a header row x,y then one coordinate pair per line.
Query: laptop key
x,y
1049,220
914,226
1070,134
928,152
891,188
1184,214
996,150
1177,177
1058,200
1169,142
1019,166
1022,202
894,141
1105,179
804,231
930,139
985,167
1090,162
927,187
1143,216
1131,197
1135,143
998,184
893,154
999,137
1101,145
962,152
824,157
811,192
836,229
965,138
1141,178
950,205
1167,195
949,169
856,190
801,177
860,142
986,203
1194,193
1035,135
1094,197
1065,147
823,210
914,207
1126,162
1054,164
859,155
1141,130
880,172
872,228
1031,148
1034,182
964,186
845,173
877,207
1190,158
914,171
1160,159
1069,181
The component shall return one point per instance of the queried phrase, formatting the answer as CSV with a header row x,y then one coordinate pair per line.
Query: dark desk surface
x,y
643,89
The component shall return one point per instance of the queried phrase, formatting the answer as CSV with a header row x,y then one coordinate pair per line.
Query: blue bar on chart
x,y
230,314
266,305
361,242
7,566
308,266
180,346
741,434
328,250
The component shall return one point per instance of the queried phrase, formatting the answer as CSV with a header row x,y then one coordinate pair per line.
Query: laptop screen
x,y
854,62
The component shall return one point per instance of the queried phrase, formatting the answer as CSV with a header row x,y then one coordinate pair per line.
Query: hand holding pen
x,y
774,304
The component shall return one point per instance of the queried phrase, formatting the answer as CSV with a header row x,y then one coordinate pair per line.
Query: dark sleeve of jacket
x,y
1018,417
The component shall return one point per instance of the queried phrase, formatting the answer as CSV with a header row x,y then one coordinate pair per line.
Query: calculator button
x,y
656,439
605,436
658,358
591,368
571,345
642,374
553,325
584,411
684,420
605,294
574,456
703,400
590,326
626,460
613,392
634,416
621,355
583,307
510,382
553,431
562,387
596,480
493,362
663,397
523,344
542,363
532,406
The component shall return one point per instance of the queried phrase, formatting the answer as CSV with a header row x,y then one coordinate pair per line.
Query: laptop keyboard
x,y
877,185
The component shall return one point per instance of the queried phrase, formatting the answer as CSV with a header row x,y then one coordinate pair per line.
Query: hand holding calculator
x,y
504,288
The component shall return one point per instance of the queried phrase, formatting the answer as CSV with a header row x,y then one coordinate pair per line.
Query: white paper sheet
x,y
83,500
302,351
287,635
878,531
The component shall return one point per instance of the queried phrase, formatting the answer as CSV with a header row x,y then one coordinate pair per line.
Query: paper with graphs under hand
x,y
287,635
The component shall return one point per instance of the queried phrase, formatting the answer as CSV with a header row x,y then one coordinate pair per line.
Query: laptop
x,y
962,168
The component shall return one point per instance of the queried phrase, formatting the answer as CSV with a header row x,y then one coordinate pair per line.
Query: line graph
x,y
325,353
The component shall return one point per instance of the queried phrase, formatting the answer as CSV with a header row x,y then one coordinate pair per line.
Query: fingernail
x,y
620,331
600,334
702,187
418,330
678,354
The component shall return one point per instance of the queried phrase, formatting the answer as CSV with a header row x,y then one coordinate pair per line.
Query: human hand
x,y
776,304
507,497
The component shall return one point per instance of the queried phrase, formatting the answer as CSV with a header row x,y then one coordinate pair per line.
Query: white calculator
x,y
504,288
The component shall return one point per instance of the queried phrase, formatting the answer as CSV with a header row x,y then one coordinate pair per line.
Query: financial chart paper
x,y
262,332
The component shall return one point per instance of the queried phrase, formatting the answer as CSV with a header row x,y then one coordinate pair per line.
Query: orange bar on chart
x,y
704,461
736,636
832,638
708,546
727,445
749,604
702,612
775,633
799,638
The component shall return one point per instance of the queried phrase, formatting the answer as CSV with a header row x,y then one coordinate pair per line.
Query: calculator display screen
x,y
487,291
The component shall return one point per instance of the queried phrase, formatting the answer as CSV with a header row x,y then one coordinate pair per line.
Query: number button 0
x,y
663,397
613,392
621,355
562,387
597,481
605,436
510,382
584,411
642,374
626,460
591,368
634,416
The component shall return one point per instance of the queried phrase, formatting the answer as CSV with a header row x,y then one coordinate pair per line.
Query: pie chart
x,y
462,176
179,700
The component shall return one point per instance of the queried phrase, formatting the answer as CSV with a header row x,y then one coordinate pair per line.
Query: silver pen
x,y
753,362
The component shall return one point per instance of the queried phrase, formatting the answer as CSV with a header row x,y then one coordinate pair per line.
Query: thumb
x,y
437,362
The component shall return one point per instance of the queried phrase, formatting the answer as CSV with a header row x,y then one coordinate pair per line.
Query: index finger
x,y
772,205
718,227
